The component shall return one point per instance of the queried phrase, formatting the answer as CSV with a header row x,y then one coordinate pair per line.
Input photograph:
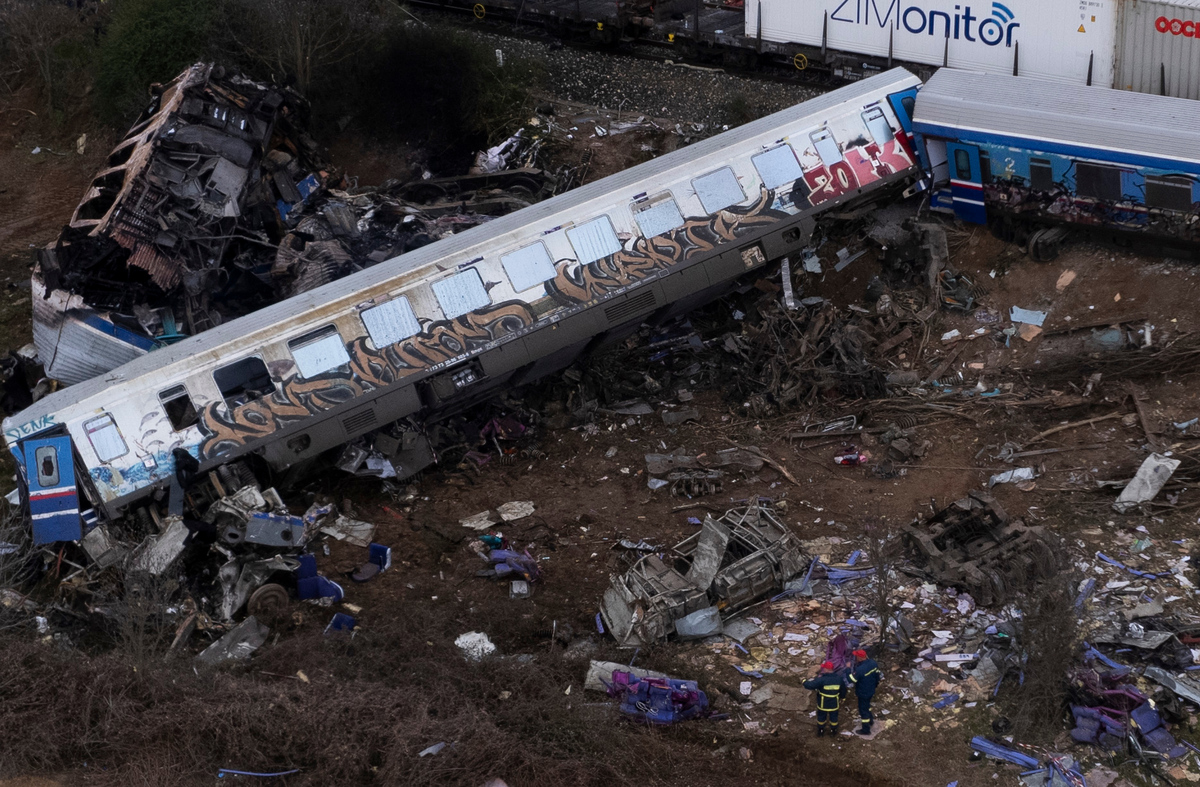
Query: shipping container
x,y
1064,40
1158,47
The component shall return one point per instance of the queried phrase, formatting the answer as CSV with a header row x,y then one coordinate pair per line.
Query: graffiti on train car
x,y
862,162
575,284
225,432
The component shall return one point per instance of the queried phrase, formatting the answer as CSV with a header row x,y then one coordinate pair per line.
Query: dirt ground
x,y
589,486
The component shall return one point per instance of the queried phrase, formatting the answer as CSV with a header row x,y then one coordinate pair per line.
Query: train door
x,y
966,182
53,498
904,104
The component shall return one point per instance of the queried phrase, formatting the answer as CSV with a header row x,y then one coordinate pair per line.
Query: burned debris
x,y
216,203
974,545
733,560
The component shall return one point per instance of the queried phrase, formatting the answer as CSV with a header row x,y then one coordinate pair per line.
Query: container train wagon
x,y
1030,157
387,349
1150,46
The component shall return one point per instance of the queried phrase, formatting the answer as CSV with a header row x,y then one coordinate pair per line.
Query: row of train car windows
x,y
1092,181
323,350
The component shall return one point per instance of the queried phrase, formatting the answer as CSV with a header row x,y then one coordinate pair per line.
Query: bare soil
x,y
585,502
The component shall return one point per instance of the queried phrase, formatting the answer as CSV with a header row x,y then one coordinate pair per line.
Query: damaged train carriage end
x,y
382,352
212,165
731,562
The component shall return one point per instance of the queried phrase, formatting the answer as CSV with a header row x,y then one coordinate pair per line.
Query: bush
x,y
149,41
433,86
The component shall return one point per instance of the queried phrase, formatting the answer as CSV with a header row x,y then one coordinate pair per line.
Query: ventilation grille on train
x,y
359,421
630,306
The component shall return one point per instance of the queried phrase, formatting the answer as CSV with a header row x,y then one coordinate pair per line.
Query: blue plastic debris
x,y
223,772
380,556
985,746
1119,564
1088,587
658,700
341,622
307,568
599,623
854,556
945,701
319,587
749,673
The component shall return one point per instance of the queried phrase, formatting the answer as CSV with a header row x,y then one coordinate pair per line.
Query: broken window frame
x,y
1172,187
594,239
184,419
316,355
651,229
236,396
102,445
523,271
700,186
778,166
460,301
399,324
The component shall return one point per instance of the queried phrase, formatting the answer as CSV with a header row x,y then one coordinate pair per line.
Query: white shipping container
x,y
1157,42
1058,38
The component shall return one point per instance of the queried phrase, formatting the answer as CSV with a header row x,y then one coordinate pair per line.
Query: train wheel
x,y
1043,245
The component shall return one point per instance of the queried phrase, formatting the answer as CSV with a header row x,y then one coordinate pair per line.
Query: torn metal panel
x,y
733,560
237,644
158,553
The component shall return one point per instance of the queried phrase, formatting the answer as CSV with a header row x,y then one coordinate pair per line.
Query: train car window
x,y
46,461
594,240
827,147
877,124
778,167
390,322
910,104
658,218
1041,174
460,294
985,167
318,352
1169,193
243,381
1103,183
105,438
528,267
178,407
962,164
718,190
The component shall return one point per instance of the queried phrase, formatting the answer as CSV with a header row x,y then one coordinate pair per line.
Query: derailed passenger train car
x,y
389,348
1027,155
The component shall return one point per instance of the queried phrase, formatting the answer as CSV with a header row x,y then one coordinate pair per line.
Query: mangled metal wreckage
x,y
732,561
372,359
216,203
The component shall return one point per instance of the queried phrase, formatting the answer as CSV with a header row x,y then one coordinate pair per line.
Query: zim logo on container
x,y
961,24
1177,27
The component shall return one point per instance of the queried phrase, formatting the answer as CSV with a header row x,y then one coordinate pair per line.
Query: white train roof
x,y
1095,118
269,323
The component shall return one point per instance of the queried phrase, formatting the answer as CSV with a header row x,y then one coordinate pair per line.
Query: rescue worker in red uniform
x,y
829,688
865,680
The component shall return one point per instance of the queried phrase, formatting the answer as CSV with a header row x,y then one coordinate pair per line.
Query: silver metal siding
x,y
1144,52
1092,117
266,324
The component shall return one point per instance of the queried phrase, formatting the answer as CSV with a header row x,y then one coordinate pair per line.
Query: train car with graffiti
x,y
384,351
1032,158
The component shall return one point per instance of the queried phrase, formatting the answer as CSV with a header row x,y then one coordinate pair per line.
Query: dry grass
x,y
371,704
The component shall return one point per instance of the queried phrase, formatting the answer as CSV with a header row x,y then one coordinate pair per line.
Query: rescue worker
x,y
829,688
865,680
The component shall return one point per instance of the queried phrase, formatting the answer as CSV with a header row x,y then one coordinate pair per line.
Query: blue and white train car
x,y
1012,150
390,347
